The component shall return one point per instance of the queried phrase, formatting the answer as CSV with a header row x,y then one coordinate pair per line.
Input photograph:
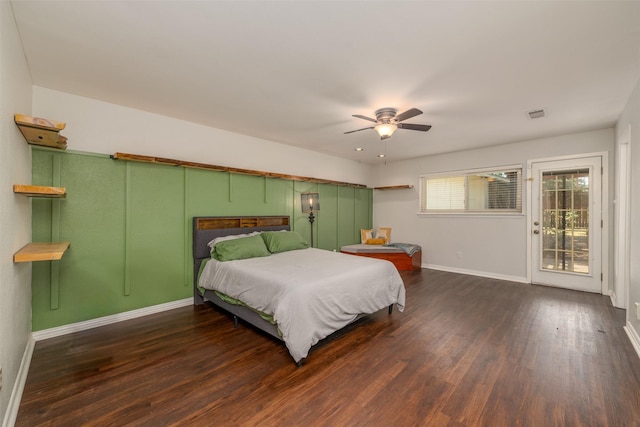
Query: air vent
x,y
536,114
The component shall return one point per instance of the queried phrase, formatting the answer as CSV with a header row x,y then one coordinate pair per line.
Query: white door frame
x,y
620,294
605,212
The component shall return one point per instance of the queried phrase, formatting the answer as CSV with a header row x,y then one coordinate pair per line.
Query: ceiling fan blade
x,y
358,130
365,118
408,114
412,126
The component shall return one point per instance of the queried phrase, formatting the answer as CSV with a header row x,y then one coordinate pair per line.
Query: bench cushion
x,y
364,248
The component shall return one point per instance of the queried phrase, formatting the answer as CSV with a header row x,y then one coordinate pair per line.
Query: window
x,y
478,191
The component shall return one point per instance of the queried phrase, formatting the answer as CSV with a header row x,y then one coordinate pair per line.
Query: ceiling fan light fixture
x,y
387,121
385,130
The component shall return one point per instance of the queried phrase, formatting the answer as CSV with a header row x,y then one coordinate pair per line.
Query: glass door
x,y
565,221
566,210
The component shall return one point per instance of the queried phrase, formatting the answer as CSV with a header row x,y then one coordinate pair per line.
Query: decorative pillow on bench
x,y
380,233
375,241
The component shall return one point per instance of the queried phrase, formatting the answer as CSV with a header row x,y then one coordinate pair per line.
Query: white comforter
x,y
311,293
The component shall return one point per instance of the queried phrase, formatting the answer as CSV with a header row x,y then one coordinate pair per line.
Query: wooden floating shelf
x,y
40,191
41,252
394,187
173,162
38,131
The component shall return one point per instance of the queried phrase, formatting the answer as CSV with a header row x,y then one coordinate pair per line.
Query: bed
x,y
298,296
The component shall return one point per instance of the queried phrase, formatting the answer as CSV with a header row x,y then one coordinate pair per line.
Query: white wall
x,y
15,211
100,127
631,116
489,246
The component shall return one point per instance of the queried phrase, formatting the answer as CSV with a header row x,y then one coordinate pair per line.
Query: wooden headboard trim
x,y
215,223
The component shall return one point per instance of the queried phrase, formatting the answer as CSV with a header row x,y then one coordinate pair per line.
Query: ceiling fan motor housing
x,y
385,115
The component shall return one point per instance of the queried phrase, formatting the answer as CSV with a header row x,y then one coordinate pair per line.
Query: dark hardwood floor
x,y
467,351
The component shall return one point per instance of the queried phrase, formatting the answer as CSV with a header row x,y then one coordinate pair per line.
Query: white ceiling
x,y
295,71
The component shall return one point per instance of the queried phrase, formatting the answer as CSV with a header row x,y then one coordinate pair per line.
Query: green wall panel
x,y
129,225
41,231
42,164
207,191
279,197
155,257
346,216
90,275
363,198
247,194
300,220
328,217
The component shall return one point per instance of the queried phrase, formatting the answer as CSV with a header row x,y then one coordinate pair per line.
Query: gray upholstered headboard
x,y
207,228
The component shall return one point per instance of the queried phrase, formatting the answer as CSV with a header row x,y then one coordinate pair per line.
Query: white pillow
x,y
212,244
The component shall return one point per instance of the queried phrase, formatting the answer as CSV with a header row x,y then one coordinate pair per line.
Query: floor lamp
x,y
310,202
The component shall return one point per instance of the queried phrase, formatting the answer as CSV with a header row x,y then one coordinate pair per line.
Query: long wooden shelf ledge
x,y
173,162
41,252
38,131
394,187
40,191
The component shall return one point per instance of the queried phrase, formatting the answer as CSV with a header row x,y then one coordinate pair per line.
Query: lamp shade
x,y
310,202
385,130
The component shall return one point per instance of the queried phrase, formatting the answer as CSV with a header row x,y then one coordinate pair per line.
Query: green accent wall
x,y
129,225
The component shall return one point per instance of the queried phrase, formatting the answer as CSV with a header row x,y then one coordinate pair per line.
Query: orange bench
x,y
397,256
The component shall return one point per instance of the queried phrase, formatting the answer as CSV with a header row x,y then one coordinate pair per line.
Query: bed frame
x,y
208,228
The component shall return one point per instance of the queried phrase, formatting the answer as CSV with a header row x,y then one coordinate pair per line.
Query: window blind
x,y
479,191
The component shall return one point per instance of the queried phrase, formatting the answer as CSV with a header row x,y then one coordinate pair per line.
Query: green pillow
x,y
243,248
282,241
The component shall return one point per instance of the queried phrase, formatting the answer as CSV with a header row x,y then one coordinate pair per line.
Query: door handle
x,y
536,223
536,231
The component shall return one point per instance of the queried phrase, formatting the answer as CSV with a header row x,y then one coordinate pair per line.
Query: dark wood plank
x,y
211,223
467,351
394,187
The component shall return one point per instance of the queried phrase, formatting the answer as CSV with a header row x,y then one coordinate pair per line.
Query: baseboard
x,y
613,297
486,274
633,337
107,320
18,387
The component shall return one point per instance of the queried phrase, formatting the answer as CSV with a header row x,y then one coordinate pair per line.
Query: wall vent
x,y
536,114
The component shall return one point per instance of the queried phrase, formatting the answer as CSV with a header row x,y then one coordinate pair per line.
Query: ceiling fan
x,y
387,121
